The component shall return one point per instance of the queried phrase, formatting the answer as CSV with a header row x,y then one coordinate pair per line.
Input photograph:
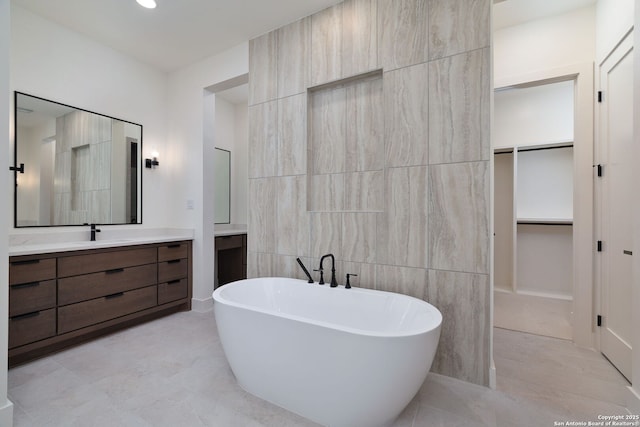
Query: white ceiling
x,y
507,13
180,32
177,32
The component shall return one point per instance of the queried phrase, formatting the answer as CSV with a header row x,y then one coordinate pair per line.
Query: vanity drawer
x,y
90,263
173,290
31,327
228,242
76,316
89,286
172,270
33,270
173,251
30,297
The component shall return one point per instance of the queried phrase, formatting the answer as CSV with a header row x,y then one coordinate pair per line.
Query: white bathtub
x,y
339,357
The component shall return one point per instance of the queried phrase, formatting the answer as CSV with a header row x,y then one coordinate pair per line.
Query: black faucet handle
x,y
94,230
348,285
334,282
321,281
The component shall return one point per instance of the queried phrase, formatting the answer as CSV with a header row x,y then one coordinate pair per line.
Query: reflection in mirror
x,y
79,167
222,186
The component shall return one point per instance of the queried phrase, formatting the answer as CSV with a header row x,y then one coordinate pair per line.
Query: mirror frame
x,y
15,162
215,195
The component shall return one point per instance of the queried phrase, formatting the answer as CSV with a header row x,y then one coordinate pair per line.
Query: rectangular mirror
x,y
79,167
222,185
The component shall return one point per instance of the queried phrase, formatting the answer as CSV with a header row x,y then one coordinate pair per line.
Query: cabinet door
x,y
31,327
87,286
33,296
77,316
93,262
173,251
31,270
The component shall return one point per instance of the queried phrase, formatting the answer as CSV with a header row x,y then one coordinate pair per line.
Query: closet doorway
x,y
542,205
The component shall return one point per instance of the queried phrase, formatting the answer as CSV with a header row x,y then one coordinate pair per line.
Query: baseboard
x,y
492,375
202,305
633,401
6,414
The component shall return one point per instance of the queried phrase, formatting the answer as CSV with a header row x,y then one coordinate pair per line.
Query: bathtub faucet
x,y
334,283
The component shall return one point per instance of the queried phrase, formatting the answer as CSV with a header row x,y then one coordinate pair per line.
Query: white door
x,y
616,187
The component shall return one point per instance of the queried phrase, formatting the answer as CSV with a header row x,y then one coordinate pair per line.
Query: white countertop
x,y
38,243
231,232
229,229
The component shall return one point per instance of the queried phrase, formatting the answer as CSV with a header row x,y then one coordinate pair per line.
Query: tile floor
x,y
172,372
550,317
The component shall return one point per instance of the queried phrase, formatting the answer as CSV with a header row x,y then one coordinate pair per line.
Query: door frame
x,y
583,319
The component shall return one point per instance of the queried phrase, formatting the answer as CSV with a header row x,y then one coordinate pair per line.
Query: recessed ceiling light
x,y
149,4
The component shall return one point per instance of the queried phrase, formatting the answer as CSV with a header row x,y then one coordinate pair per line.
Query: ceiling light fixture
x,y
149,4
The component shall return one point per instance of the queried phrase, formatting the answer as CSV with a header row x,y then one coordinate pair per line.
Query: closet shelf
x,y
545,221
547,145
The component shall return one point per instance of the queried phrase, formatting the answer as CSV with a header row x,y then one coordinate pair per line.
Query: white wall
x,y
544,44
544,185
52,62
533,115
6,407
231,133
191,143
614,18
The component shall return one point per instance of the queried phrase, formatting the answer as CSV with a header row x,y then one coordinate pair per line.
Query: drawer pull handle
x,y
26,316
626,252
115,270
174,282
27,262
174,261
25,285
174,246
119,294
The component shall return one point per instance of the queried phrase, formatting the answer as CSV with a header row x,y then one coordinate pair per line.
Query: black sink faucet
x,y
94,230
334,283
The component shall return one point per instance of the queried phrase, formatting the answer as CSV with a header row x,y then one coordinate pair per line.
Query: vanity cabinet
x,y
93,288
173,272
231,258
32,292
57,300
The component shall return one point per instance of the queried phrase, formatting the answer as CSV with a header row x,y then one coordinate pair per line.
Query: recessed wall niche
x,y
346,145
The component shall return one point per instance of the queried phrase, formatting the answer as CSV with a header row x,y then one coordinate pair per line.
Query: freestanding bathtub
x,y
339,357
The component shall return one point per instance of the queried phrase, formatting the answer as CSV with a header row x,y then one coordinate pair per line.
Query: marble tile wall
x,y
406,107
82,175
359,37
459,108
403,36
293,50
326,45
369,139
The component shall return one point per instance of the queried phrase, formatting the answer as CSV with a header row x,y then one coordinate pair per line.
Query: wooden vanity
x,y
59,299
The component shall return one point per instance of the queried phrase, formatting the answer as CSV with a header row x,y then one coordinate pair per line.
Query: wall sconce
x,y
153,162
